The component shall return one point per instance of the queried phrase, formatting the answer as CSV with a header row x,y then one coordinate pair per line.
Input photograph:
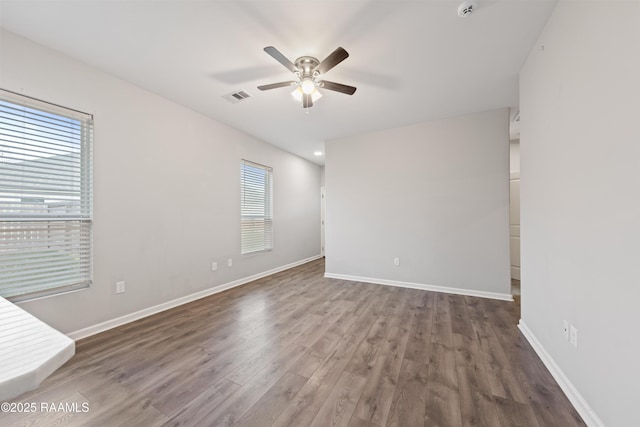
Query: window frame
x,y
252,213
64,228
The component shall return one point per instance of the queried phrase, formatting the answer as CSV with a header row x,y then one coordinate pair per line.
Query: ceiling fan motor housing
x,y
306,65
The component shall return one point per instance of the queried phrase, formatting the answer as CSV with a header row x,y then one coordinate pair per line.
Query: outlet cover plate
x,y
573,336
120,287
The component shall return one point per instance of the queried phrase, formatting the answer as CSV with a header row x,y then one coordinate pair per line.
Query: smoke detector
x,y
466,8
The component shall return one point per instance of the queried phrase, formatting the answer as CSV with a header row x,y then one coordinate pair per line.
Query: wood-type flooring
x,y
297,349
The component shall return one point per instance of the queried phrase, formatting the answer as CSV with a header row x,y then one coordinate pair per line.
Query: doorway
x,y
514,215
322,211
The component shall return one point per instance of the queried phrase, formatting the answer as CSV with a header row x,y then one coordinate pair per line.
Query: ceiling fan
x,y
308,69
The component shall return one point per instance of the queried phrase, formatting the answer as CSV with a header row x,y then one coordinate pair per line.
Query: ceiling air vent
x,y
238,96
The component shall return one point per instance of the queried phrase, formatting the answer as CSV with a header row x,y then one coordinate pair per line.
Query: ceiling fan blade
x,y
307,101
275,53
336,57
277,85
338,87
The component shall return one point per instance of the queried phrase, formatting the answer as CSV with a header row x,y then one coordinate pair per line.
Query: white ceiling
x,y
412,61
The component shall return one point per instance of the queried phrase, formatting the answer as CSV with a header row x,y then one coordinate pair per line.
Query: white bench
x,y
30,350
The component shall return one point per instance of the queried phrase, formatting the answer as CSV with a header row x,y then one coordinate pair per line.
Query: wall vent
x,y
235,97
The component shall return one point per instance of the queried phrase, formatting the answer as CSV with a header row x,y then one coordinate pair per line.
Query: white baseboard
x,y
122,320
433,288
574,396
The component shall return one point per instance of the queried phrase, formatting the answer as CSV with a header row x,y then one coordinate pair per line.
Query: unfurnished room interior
x,y
302,213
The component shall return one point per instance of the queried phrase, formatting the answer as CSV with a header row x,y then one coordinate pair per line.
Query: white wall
x,y
580,99
167,199
434,194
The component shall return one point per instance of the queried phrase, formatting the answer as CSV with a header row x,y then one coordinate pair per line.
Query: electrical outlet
x,y
396,261
573,336
214,266
230,262
565,329
120,287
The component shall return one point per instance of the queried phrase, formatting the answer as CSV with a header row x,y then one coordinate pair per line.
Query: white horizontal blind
x,y
45,197
256,210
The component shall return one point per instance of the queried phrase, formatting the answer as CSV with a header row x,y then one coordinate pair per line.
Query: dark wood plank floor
x,y
296,349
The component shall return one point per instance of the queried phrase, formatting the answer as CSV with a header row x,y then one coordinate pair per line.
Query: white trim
x,y
586,412
122,320
323,210
515,272
424,287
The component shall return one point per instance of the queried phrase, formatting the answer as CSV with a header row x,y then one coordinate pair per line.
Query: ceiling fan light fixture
x,y
297,94
308,86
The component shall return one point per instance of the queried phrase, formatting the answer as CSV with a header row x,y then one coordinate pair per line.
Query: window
x,y
45,197
256,207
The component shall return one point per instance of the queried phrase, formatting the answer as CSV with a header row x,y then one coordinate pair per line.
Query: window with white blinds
x,y
45,197
256,207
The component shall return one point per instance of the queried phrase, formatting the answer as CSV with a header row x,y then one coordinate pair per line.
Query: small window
x,y
256,207
45,197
